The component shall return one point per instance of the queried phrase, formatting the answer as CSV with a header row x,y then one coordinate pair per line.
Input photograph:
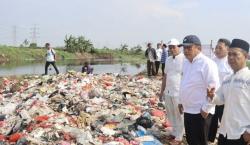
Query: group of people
x,y
155,58
199,91
51,60
194,84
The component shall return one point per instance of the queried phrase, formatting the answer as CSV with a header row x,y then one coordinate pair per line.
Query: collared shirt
x,y
158,54
235,94
164,55
223,67
173,69
198,75
50,55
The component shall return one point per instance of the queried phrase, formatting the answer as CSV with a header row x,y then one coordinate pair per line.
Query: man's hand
x,y
180,108
210,93
204,114
246,137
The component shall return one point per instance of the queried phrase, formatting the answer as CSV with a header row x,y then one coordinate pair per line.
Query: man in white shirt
x,y
199,72
50,58
235,94
221,51
158,57
170,89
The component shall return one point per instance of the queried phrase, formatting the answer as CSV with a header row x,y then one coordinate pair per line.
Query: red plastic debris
x,y
2,137
41,118
45,125
166,124
158,113
139,77
72,120
107,84
67,136
15,137
105,139
6,82
2,123
133,142
30,127
123,141
152,101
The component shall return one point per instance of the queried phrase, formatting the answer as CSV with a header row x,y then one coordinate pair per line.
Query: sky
x,y
111,23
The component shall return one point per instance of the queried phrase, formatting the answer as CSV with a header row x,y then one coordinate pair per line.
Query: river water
x,y
100,66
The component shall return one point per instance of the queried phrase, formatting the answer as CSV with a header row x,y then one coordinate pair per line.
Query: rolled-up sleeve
x,y
211,77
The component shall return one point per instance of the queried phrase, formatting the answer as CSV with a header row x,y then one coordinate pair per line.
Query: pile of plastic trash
x,y
76,108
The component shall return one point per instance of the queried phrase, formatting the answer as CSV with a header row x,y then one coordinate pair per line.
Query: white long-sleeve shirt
x,y
158,54
223,67
234,93
173,69
198,75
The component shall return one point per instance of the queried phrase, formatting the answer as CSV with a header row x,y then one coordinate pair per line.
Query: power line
x,y
34,34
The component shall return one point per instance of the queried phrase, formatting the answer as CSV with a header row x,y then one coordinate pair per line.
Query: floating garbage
x,y
75,108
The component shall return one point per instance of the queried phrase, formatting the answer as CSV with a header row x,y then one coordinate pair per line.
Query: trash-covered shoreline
x,y
75,108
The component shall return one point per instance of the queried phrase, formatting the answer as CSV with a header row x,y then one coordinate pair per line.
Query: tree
x,y
26,42
136,49
78,44
124,47
70,43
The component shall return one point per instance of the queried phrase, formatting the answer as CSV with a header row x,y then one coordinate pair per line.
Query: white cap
x,y
173,42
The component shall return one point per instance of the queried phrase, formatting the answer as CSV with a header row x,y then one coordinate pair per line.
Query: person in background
x,y
199,73
50,58
164,57
221,51
150,54
170,90
87,68
234,92
158,57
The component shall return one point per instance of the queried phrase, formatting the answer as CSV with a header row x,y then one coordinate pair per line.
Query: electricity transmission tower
x,y
34,34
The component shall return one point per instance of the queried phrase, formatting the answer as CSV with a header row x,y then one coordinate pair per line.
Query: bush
x,y
33,45
78,44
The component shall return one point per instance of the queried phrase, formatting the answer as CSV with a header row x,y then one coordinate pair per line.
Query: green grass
x,y
11,53
21,54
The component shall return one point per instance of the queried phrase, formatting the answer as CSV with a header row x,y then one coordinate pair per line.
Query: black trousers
x,y
224,141
163,68
47,65
157,66
214,123
151,68
196,128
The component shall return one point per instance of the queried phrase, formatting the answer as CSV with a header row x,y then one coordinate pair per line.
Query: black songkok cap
x,y
239,43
